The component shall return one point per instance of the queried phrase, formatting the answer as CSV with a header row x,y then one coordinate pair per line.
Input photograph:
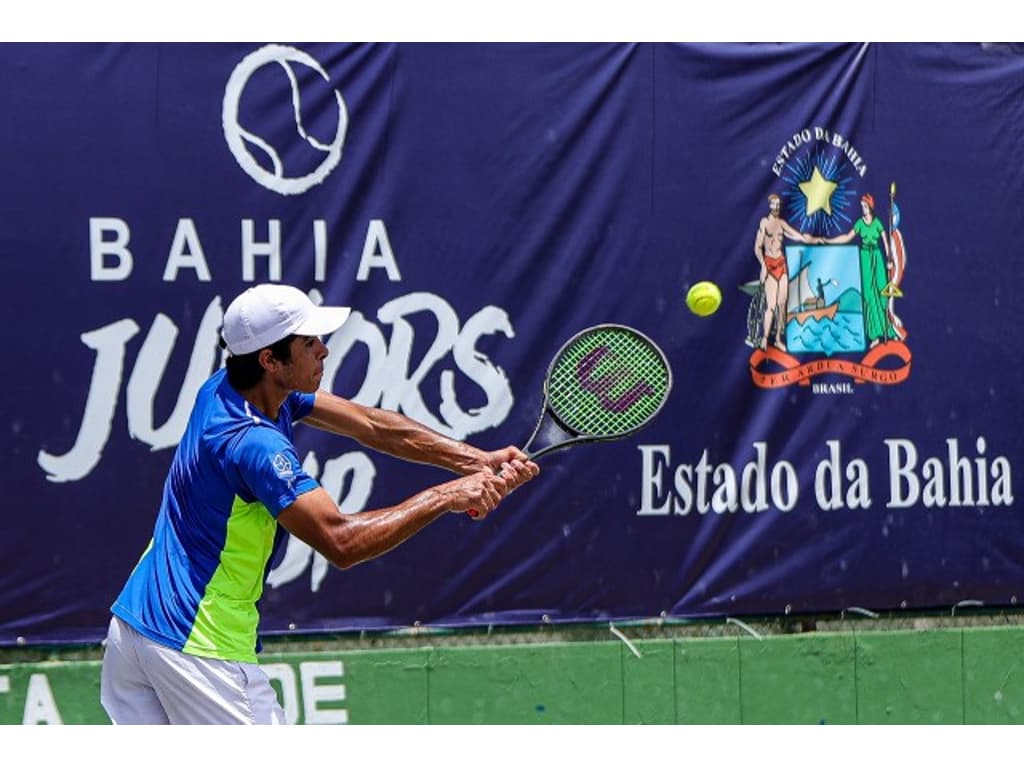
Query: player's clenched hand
x,y
517,472
479,493
495,460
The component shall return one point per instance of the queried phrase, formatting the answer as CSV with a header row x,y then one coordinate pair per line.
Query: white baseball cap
x,y
265,314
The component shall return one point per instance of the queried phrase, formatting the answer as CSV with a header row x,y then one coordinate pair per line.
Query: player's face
x,y
307,364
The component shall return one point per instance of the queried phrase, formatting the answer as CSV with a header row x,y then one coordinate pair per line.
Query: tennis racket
x,y
605,383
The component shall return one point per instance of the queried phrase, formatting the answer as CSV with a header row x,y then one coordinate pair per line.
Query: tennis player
x,y
182,642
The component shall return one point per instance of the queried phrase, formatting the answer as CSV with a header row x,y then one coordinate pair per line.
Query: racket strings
x,y
609,381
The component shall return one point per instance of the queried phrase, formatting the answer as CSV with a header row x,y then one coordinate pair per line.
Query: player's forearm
x,y
398,435
366,535
392,433
348,539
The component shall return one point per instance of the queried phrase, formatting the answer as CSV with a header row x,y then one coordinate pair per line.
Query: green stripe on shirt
x,y
226,619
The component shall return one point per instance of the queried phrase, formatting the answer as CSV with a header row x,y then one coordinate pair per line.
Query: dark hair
x,y
245,371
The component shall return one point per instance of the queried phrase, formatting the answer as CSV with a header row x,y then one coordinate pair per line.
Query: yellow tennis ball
x,y
704,298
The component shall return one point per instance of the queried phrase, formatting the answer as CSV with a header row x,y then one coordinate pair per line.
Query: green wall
x,y
939,676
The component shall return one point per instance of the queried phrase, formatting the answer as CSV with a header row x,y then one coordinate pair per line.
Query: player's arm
x,y
397,435
346,540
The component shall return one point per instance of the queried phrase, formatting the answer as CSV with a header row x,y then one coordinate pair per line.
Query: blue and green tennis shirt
x,y
197,585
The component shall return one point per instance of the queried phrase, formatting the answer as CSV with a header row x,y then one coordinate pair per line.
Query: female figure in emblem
x,y
874,275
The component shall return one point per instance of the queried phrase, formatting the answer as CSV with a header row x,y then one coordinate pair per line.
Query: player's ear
x,y
267,359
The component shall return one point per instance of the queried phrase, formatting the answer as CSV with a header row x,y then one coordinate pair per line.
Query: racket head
x,y
606,382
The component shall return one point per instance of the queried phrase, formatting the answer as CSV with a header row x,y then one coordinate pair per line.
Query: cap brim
x,y
323,320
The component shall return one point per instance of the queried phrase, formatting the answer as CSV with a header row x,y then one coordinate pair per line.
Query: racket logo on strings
x,y
605,385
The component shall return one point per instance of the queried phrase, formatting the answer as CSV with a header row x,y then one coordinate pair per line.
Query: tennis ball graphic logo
x,y
282,76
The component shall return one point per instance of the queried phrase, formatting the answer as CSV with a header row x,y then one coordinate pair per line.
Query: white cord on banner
x,y
857,609
615,631
738,623
965,604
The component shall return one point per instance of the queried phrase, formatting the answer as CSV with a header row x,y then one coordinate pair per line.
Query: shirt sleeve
x,y
270,468
300,404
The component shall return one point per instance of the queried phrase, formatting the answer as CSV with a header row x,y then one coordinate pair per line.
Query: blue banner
x,y
843,432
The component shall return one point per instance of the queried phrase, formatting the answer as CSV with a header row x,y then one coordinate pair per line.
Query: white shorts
x,y
145,683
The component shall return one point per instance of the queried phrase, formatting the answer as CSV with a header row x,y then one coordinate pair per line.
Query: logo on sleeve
x,y
282,466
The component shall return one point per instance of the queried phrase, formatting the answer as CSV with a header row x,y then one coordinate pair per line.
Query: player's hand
x,y
494,460
479,492
517,472
511,475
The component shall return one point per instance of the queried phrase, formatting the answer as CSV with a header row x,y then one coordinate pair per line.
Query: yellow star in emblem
x,y
818,192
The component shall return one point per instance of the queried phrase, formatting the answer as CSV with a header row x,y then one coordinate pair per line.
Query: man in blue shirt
x,y
183,638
